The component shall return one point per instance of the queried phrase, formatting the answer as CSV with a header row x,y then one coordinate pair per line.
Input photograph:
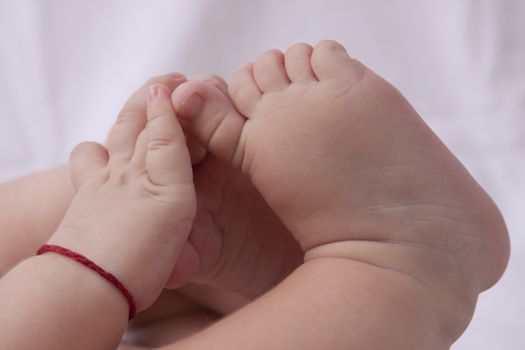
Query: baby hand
x,y
136,199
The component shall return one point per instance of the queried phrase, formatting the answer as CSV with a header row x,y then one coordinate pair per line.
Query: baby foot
x,y
242,246
352,170
136,200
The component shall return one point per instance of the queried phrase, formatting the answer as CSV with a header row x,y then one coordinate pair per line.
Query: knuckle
x,y
160,143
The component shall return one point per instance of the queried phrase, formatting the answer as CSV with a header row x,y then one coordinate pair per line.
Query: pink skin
x,y
237,242
313,118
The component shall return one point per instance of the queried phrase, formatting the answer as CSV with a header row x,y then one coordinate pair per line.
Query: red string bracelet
x,y
91,265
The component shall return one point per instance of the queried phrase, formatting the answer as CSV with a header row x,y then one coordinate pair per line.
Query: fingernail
x,y
192,107
153,92
156,91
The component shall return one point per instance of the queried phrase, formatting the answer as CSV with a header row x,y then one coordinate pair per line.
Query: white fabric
x,y
67,66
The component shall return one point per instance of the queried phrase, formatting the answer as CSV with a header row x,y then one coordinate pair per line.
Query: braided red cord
x,y
91,265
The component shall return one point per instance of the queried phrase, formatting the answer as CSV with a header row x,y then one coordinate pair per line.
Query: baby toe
x,y
297,63
244,91
330,59
269,71
210,119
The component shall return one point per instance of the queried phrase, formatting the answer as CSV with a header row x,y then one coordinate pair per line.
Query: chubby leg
x,y
334,304
355,174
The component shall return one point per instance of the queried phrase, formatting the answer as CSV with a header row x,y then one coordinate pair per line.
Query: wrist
x,y
45,295
72,280
80,259
134,264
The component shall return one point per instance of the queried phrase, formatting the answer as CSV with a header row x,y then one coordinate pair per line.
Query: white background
x,y
66,67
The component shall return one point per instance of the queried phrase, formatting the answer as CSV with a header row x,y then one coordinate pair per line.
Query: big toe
x,y
330,60
210,118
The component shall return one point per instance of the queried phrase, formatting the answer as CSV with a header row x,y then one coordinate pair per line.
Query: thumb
x,y
85,159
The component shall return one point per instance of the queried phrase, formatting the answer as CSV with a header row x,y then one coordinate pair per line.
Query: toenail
x,y
192,107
